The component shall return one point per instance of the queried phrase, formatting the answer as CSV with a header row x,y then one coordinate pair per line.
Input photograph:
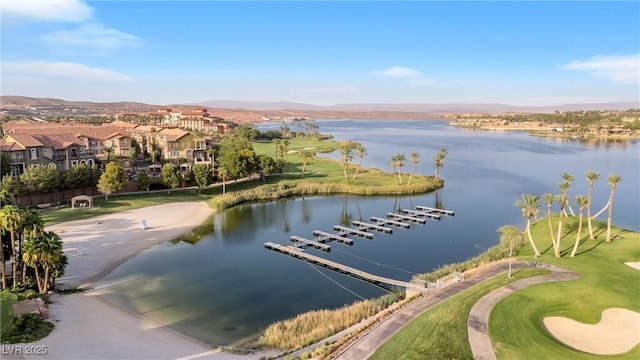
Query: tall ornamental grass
x,y
313,326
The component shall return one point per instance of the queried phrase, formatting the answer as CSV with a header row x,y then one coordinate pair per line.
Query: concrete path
x,y
369,342
477,323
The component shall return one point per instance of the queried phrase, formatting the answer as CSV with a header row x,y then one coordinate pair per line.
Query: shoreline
x,y
88,325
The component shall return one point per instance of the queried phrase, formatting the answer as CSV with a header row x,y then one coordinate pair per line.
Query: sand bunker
x,y
635,265
617,332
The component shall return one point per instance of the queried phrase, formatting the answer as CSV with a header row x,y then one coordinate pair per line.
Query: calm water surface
x,y
226,287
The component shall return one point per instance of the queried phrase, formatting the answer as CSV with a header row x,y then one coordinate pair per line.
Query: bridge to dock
x,y
401,219
341,268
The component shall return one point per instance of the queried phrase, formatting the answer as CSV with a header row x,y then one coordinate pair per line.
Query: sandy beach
x,y
87,326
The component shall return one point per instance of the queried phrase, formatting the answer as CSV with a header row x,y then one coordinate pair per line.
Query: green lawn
x,y
516,322
7,299
441,333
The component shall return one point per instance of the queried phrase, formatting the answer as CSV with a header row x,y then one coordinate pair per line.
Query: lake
x,y
226,287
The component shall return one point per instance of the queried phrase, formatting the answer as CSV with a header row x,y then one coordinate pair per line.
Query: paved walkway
x,y
477,323
369,342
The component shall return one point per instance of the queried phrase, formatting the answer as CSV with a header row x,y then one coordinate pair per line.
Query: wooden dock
x,y
407,218
347,270
428,215
350,231
325,236
366,225
315,244
389,222
437,211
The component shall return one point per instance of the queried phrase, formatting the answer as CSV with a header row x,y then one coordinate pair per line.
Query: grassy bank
x,y
516,322
313,326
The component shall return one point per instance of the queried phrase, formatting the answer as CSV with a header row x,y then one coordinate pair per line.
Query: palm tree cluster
x,y
36,256
530,206
397,163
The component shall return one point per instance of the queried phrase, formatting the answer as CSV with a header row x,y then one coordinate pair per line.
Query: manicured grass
x,y
441,333
7,299
605,281
516,322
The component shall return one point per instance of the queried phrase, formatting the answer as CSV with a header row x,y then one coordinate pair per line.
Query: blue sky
x,y
324,53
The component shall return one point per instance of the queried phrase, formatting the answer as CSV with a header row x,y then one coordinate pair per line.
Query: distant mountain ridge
x,y
427,108
279,107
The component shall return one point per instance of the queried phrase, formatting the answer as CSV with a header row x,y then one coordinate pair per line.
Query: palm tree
x,y
414,160
11,221
305,157
568,178
32,226
400,164
394,166
529,205
562,200
109,150
564,186
361,152
439,160
581,201
43,252
276,143
345,149
612,180
592,176
548,197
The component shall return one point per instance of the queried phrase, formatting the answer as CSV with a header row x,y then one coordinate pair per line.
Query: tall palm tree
x,y
562,200
564,186
439,160
32,226
613,181
592,176
400,164
361,152
394,166
581,201
11,221
529,205
415,157
345,148
305,157
568,178
548,197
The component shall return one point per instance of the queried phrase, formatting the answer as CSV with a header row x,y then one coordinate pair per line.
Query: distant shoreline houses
x,y
171,135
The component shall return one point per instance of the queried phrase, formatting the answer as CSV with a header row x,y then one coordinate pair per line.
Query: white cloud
x,y
46,10
35,69
399,72
619,68
95,37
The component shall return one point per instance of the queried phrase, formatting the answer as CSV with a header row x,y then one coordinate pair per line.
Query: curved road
x,y
369,342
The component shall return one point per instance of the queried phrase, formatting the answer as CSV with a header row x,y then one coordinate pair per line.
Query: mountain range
x,y
251,111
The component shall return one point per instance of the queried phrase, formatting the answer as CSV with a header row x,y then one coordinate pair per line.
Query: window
x,y
124,141
34,153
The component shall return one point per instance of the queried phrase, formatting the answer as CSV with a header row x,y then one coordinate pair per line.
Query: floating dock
x,y
315,244
389,222
407,218
437,211
428,215
324,236
366,225
350,231
347,270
